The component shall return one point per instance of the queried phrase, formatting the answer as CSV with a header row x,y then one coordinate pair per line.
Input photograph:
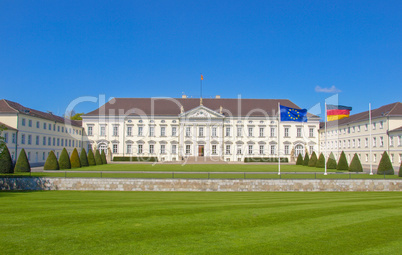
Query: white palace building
x,y
177,129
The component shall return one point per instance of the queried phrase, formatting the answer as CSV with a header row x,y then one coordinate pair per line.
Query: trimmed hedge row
x,y
269,160
136,159
74,161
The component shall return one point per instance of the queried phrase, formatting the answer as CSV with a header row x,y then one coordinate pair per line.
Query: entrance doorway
x,y
201,150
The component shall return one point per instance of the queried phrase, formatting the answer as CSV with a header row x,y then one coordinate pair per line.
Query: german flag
x,y
337,112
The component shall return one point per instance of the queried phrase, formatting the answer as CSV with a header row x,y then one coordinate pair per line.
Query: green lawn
x,y
73,222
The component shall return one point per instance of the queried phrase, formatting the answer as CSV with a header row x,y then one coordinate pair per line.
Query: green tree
x,y
75,159
313,160
91,158
2,142
6,163
51,162
355,165
331,162
299,160
343,162
306,159
83,158
22,165
321,161
103,157
64,160
98,158
400,170
77,116
385,166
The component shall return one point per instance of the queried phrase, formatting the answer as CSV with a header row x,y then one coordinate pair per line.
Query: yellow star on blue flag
x,y
293,114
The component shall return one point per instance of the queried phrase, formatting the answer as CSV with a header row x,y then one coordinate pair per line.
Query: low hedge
x,y
136,159
269,160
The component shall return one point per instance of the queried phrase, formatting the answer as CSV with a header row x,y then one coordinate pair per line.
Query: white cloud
x,y
332,89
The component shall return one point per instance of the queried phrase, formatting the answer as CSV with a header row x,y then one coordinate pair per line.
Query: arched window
x,y
102,147
299,150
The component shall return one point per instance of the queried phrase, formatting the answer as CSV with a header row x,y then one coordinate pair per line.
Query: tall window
x,y
58,141
311,132
37,124
238,149
90,130
213,131
174,131
381,141
381,124
102,131
239,130
261,132
286,149
201,132
22,139
29,123
140,131
214,149
299,132
374,141
151,131
250,149
391,141
286,132
250,131
358,143
128,148
163,149
273,132
188,149
227,149
115,131
139,148
44,125
23,122
29,139
151,148
261,149
227,131
174,148
114,148
366,142
188,131
163,131
272,149
6,137
129,131
54,142
49,141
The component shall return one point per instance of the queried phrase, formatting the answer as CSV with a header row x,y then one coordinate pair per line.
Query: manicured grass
x,y
73,222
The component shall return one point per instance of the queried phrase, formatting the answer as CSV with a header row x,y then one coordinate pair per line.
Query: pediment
x,y
201,112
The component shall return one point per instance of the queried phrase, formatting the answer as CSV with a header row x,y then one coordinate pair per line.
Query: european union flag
x,y
293,114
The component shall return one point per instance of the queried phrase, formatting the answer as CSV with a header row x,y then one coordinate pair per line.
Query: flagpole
x,y
371,155
325,152
279,122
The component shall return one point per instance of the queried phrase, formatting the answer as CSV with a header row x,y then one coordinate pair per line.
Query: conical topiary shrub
x,y
75,159
355,165
343,162
103,157
306,159
320,161
83,158
385,166
98,158
91,158
64,160
22,165
400,170
313,160
299,160
331,162
6,163
51,162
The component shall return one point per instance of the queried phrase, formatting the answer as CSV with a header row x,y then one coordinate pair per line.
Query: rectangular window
x,y
214,149
58,128
6,137
29,139
399,140
115,131
375,157
54,141
174,148
353,143
392,158
49,141
227,131
151,131
261,149
238,149
353,129
54,127
366,142
151,148
128,148
188,149
358,143
29,123
227,149
214,132
114,148
286,149
139,148
374,141
69,143
311,132
250,149
163,149
261,132
250,131
188,131
366,157
23,122
102,131
391,141
299,132
239,131
174,131
381,141
129,131
140,131
381,124
37,124
89,130
44,125
43,156
272,149
273,131
201,132
163,131
358,128
29,156
50,127
286,132
62,142
58,141
22,139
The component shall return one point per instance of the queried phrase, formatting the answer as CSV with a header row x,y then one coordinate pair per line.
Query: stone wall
x,y
43,183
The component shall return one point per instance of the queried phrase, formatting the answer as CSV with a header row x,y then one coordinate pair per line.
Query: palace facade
x,y
175,129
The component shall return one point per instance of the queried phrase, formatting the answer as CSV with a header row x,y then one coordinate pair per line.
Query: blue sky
x,y
52,52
